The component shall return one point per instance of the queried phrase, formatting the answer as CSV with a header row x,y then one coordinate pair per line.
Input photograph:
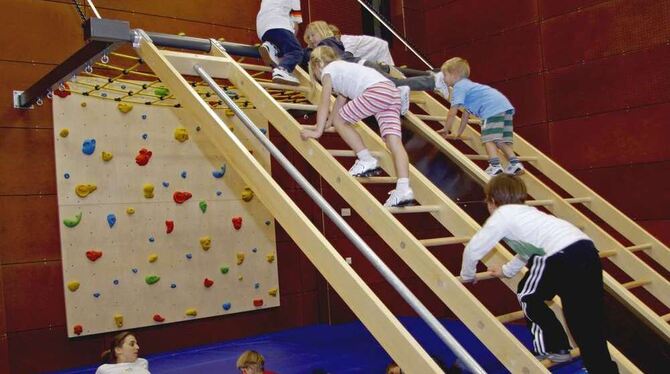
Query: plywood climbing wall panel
x,y
168,241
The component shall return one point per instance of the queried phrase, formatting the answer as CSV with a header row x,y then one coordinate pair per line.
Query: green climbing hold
x,y
203,206
72,221
151,279
224,269
162,92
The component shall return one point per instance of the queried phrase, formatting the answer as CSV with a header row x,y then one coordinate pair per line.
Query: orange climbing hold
x,y
258,302
169,226
143,157
65,92
158,318
208,282
237,223
77,329
180,196
93,255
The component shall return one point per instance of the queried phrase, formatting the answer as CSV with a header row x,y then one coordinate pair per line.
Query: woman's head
x,y
251,362
317,31
505,189
122,348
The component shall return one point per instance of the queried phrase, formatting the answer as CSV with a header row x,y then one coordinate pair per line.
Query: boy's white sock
x,y
365,155
402,184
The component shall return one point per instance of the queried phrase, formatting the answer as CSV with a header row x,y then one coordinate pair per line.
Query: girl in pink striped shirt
x,y
361,92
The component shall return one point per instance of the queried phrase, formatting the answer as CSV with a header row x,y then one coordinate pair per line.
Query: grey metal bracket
x,y
16,96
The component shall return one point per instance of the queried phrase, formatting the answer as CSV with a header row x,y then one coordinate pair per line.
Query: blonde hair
x,y
320,57
457,65
251,358
336,30
320,28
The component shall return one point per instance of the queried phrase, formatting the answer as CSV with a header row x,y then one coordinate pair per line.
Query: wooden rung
x,y
330,129
485,157
634,284
574,353
444,241
463,138
377,180
348,153
427,117
640,247
605,254
306,107
254,67
578,200
417,101
509,317
666,317
285,87
481,276
415,209
539,202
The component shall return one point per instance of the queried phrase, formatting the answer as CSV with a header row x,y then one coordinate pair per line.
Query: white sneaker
x,y
400,198
282,76
514,169
440,86
268,53
558,357
365,168
493,170
404,99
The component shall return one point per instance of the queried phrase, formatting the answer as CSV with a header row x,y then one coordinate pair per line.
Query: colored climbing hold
x,y
83,190
240,278
272,292
64,133
143,157
191,312
148,190
183,174
106,156
64,92
73,286
72,221
254,250
83,104
224,269
145,136
180,196
206,242
268,223
219,193
153,257
111,220
134,270
166,184
124,107
116,282
152,239
88,147
93,255
263,130
270,258
247,194
77,329
130,211
237,223
173,285
158,318
144,116
66,175
162,92
118,320
240,258
96,295
203,205
258,302
169,226
151,279
257,285
219,173
189,256
226,306
181,134
208,282
197,128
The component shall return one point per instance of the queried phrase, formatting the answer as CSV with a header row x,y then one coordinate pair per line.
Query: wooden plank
x,y
605,254
427,117
285,87
539,202
349,153
634,284
641,247
509,317
484,157
305,107
415,209
578,200
358,296
445,241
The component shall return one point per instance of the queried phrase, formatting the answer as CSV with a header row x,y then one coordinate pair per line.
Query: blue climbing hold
x,y
219,173
134,270
189,256
166,184
264,131
173,285
254,250
257,285
152,239
144,116
111,220
145,136
88,147
219,193
104,94
116,282
226,306
183,174
96,295
123,86
66,176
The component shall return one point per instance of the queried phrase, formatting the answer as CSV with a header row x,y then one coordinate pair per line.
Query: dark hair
x,y
109,356
505,189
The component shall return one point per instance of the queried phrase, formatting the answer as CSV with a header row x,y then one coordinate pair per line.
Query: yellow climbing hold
x,y
191,312
73,286
124,107
206,242
83,104
181,134
130,211
270,257
247,194
272,292
64,133
118,320
106,156
229,112
148,189
83,190
153,257
181,33
240,258
240,278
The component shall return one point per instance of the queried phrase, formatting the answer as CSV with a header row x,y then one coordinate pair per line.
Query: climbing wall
x,y
154,228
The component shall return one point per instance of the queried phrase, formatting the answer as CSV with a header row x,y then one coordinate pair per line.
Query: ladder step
x,y
635,284
427,117
377,180
605,254
481,276
539,202
485,157
415,209
444,241
348,153
509,317
417,101
254,67
296,106
666,317
640,247
330,129
574,353
285,87
578,200
463,138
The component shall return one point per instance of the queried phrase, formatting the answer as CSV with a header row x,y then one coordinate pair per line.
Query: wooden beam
x,y
427,117
605,254
485,157
415,209
377,180
641,247
305,107
284,87
445,241
349,153
578,200
635,284
539,202
254,67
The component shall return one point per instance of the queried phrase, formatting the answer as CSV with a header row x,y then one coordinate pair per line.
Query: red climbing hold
x,y
93,255
143,157
179,196
158,318
237,223
169,226
258,302
63,93
208,282
78,329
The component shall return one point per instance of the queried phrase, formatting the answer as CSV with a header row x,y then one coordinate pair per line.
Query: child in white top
x,y
122,356
365,46
370,93
276,24
562,261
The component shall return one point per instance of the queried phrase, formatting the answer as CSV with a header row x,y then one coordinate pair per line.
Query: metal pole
x,y
95,11
385,271
402,39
